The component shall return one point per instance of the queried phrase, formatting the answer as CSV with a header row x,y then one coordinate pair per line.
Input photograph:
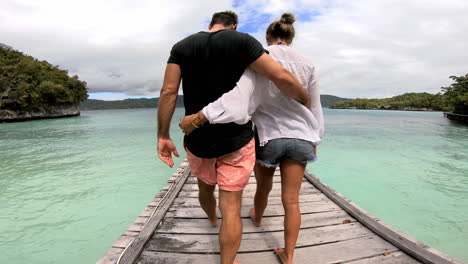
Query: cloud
x,y
362,48
115,46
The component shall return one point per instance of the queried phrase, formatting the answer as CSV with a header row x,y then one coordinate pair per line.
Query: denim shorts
x,y
280,149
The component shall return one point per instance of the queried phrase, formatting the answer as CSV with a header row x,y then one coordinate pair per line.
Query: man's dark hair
x,y
226,18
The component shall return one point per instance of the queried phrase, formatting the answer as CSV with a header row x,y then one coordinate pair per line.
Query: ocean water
x,y
70,187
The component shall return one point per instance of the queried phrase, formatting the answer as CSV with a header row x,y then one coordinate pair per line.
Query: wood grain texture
x,y
393,258
255,241
338,252
248,201
272,210
191,190
276,223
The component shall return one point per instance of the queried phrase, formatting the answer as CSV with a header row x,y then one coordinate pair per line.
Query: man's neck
x,y
217,27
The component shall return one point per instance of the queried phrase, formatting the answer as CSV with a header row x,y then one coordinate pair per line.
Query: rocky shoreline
x,y
43,113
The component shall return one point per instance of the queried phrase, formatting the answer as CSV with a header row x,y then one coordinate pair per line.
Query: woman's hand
x,y
186,124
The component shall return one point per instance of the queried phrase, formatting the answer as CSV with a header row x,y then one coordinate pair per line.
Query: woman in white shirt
x,y
287,132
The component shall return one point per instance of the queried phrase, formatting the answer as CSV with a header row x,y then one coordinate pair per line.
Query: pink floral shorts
x,y
231,171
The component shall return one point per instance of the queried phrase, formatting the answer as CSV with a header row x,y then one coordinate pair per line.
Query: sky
x,y
360,48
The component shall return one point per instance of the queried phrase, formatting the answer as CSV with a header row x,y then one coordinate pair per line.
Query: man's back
x,y
211,63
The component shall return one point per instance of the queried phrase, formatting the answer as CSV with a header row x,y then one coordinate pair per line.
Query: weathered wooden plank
x,y
251,188
272,210
125,239
366,219
345,251
111,256
338,252
134,249
203,226
393,258
249,191
248,201
255,241
193,180
276,173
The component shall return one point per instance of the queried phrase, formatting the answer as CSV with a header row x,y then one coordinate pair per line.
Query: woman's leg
x,y
264,177
292,173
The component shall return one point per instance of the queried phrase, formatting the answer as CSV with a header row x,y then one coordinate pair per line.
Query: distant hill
x,y
328,100
93,104
407,101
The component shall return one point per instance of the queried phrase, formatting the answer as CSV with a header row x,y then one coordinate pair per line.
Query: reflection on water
x,y
69,187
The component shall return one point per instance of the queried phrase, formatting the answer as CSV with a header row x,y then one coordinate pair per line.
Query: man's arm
x,y
282,78
166,107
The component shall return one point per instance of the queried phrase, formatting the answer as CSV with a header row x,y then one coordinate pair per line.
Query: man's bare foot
x,y
236,261
252,217
282,255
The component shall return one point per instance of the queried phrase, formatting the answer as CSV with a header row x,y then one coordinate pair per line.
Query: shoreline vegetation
x,y
454,100
405,102
33,89
94,104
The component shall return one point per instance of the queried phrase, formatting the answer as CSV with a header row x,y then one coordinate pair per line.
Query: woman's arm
x,y
234,106
316,106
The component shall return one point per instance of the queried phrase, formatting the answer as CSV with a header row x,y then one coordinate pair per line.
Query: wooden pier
x,y
457,117
174,229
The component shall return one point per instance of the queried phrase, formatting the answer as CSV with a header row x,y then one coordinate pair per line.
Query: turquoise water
x,y
70,187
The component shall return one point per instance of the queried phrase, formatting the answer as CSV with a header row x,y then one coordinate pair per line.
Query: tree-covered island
x,y
453,98
34,89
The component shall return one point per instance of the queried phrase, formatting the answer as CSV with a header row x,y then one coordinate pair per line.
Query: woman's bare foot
x,y
282,255
252,217
214,222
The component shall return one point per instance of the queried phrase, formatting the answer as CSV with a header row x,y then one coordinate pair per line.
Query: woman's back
x,y
277,115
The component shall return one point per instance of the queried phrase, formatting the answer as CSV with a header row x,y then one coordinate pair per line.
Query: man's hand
x,y
165,149
282,78
186,124
315,150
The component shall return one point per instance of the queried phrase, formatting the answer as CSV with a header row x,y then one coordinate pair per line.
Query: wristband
x,y
193,123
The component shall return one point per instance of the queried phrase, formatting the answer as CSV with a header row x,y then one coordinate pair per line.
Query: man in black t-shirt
x,y
209,64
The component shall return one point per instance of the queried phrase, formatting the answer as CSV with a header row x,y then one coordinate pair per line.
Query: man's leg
x,y
230,233
233,174
208,201
292,173
205,171
264,177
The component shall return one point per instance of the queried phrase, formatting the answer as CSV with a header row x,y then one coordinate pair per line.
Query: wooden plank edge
x,y
399,239
112,255
134,249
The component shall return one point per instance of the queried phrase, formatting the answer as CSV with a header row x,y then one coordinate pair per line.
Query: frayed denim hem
x,y
267,165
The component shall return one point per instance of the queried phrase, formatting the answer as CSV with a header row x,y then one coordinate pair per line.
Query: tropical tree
x,y
28,84
457,94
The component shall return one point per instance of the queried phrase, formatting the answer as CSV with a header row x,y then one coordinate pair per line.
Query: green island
x,y
453,98
34,89
93,104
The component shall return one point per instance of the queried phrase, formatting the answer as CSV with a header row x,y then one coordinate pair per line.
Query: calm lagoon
x,y
70,187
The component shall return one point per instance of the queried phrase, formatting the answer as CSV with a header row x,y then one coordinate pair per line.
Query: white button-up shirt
x,y
275,114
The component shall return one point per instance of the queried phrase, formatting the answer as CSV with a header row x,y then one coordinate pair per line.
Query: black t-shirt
x,y
211,65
